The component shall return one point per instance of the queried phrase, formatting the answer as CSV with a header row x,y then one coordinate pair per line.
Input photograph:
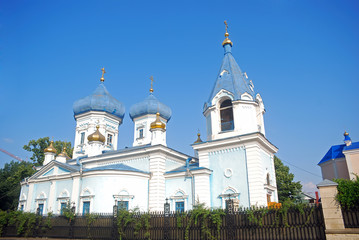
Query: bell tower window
x,y
109,139
226,111
82,141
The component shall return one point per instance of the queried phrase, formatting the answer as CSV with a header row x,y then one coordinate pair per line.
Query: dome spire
x,y
226,40
151,89
102,79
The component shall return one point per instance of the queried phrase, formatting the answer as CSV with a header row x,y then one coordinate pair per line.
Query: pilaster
x,y
202,189
255,173
157,182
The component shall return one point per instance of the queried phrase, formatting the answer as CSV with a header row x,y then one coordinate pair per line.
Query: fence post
x,y
166,220
229,218
114,222
332,211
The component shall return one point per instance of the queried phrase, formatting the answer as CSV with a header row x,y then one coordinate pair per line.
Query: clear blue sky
x,y
303,57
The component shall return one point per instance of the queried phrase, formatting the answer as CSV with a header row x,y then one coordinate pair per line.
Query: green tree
x,y
10,177
287,188
38,146
348,192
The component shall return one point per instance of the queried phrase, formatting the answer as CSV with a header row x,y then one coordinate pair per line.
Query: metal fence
x,y
307,223
351,217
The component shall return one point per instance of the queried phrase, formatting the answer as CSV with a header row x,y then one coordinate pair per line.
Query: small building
x,y
341,161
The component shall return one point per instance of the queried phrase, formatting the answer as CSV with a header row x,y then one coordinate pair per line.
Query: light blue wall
x,y
48,173
180,183
38,188
141,164
104,187
62,170
24,190
60,186
234,159
170,165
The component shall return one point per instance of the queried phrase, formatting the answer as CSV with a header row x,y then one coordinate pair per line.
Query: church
x,y
235,161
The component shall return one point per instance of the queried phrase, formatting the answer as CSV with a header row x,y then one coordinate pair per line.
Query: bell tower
x,y
233,108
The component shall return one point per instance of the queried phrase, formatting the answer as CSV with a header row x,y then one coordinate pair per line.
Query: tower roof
x,y
151,105
230,76
99,100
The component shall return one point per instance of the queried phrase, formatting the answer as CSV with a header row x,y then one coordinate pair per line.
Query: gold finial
x,y
199,140
226,40
103,72
96,136
345,133
50,148
63,153
151,89
158,123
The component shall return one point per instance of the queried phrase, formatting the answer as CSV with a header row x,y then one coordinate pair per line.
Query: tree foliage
x,y
287,188
348,192
38,146
10,177
14,172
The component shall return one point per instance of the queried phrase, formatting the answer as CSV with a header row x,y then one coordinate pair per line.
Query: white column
x,y
29,198
202,189
51,203
75,194
157,182
255,172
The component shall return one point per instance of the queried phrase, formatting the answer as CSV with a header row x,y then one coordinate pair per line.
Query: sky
x,y
302,56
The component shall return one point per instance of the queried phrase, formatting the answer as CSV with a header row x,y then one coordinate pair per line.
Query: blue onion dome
x,y
99,100
150,105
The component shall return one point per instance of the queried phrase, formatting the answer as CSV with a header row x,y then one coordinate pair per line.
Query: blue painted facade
x,y
229,173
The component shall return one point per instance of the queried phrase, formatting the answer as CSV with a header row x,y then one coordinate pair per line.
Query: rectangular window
x,y
86,208
109,139
82,138
140,133
179,206
22,207
122,205
41,208
63,206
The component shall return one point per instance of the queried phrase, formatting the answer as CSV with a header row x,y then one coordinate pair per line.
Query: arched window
x,y
226,111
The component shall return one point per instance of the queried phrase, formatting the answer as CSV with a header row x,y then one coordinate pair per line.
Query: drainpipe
x,y
190,175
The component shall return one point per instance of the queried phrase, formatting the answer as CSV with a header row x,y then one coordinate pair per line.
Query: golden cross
x,y
151,89
103,72
225,23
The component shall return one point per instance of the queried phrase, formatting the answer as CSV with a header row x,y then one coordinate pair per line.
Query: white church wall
x,y
229,170
268,167
255,175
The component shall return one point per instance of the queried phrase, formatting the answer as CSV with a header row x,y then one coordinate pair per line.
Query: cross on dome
x,y
103,72
151,89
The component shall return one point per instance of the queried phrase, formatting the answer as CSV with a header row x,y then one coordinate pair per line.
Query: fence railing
x,y
306,223
351,217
